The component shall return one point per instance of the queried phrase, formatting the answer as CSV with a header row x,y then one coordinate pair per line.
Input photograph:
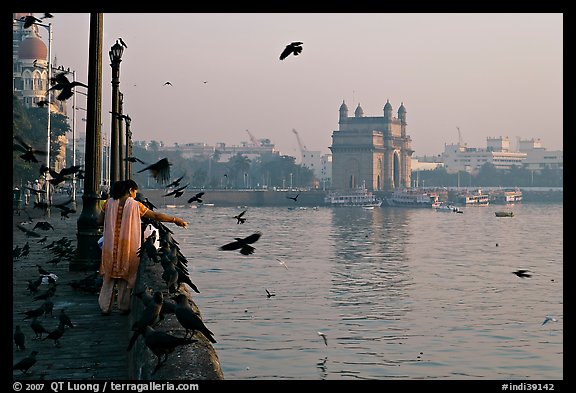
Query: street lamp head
x,y
116,52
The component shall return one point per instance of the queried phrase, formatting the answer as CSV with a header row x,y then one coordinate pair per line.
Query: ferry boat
x,y
360,197
413,198
476,198
506,196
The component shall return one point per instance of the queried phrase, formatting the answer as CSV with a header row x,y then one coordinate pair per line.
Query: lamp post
x,y
49,92
121,162
115,54
128,164
88,252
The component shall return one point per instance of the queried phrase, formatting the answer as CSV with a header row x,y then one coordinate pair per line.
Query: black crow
x,y
196,198
29,153
176,182
295,199
522,273
160,170
243,244
294,47
239,218
177,192
25,364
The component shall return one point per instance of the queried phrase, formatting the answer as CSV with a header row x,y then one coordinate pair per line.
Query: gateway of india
x,y
371,152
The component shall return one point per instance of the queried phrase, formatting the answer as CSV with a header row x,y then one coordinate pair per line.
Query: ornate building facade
x,y
371,152
30,75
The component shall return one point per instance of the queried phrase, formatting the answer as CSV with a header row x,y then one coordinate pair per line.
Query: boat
x,y
473,198
504,214
413,198
360,197
448,208
506,196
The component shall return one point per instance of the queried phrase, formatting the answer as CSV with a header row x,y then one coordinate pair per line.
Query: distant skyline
x,y
490,74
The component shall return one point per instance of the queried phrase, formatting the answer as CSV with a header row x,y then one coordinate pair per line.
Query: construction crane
x,y
303,148
459,137
253,139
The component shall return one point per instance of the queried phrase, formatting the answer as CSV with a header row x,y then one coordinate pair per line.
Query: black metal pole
x,y
114,138
121,161
128,148
88,252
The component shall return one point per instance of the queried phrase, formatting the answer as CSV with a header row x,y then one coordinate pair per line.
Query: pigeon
x,y
196,198
323,335
243,244
522,273
239,218
160,170
293,48
25,364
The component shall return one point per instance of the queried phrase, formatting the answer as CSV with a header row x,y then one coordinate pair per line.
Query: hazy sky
x,y
491,74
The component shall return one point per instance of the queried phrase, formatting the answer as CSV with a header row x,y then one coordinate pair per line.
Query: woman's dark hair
x,y
121,188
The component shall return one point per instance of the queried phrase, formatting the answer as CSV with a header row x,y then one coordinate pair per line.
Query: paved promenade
x,y
95,348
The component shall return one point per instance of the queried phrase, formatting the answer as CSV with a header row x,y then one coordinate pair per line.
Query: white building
x,y
458,157
538,158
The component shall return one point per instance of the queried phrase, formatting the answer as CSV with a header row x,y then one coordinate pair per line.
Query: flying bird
x,y
549,318
29,153
134,159
177,192
29,20
295,198
42,103
522,273
196,198
160,170
293,48
176,182
28,232
123,43
44,225
282,263
167,83
66,89
268,294
47,15
240,219
324,337
243,244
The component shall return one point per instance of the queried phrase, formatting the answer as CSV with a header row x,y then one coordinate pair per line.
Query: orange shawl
x,y
120,259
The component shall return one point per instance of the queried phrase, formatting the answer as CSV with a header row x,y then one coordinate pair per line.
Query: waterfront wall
x,y
306,198
197,361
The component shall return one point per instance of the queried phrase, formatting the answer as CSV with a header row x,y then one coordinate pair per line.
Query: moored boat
x,y
504,214
413,198
476,198
506,196
360,197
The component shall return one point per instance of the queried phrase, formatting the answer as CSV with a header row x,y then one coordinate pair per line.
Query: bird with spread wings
x,y
243,244
159,170
293,48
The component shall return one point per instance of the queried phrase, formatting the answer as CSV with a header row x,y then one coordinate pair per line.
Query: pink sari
x,y
121,241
